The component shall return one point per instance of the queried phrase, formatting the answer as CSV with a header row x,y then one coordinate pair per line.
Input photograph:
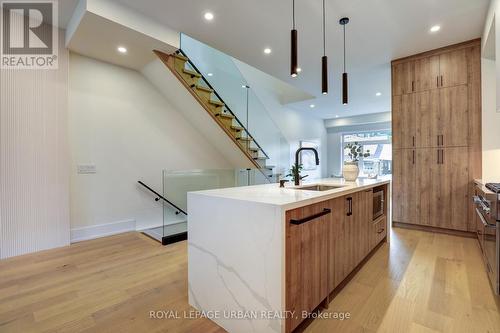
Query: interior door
x,y
426,73
427,115
403,185
453,68
403,78
453,116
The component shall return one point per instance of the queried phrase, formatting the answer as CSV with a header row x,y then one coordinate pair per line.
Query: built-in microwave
x,y
378,202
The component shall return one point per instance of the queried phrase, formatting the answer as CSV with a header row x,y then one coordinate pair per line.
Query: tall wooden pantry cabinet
x,y
436,126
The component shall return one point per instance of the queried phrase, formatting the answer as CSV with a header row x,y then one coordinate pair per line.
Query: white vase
x,y
350,171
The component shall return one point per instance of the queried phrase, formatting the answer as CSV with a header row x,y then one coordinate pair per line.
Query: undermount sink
x,y
319,187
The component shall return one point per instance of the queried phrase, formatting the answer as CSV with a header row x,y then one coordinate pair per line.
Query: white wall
x,y
295,126
490,95
491,123
122,124
335,128
34,183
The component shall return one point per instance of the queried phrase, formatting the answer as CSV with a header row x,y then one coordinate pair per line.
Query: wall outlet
x,y
87,168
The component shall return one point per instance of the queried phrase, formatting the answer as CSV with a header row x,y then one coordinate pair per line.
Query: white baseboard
x,y
101,230
159,225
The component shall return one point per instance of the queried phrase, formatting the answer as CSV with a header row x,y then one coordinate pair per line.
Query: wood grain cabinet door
x,y
403,185
364,219
427,114
403,78
426,169
427,73
306,259
453,116
453,68
454,188
404,121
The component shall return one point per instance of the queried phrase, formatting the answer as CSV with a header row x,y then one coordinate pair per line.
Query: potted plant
x,y
294,172
351,167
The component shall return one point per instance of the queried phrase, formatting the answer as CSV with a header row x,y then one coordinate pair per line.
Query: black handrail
x,y
161,197
220,99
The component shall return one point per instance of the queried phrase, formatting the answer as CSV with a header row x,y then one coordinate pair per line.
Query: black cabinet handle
x,y
349,212
310,218
413,156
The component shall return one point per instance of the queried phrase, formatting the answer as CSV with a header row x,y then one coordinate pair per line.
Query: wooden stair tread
x,y
217,103
244,139
261,158
203,88
179,56
237,128
225,115
192,73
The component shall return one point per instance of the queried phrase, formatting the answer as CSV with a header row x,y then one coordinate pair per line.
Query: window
x,y
379,144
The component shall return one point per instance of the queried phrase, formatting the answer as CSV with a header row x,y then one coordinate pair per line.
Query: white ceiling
x,y
379,31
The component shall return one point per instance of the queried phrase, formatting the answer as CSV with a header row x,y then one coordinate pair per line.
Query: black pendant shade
x,y
294,57
344,89
294,62
324,75
324,59
345,84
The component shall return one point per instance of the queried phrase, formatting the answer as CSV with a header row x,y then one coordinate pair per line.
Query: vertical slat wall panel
x,y
34,161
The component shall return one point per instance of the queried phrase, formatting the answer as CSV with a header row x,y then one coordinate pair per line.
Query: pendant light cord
x,y
344,48
324,30
293,13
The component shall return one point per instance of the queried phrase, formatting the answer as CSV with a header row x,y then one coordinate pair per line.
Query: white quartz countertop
x,y
291,197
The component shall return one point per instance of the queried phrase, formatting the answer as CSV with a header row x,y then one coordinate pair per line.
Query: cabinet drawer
x,y
378,231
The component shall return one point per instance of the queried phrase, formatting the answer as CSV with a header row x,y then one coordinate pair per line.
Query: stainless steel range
x,y
487,200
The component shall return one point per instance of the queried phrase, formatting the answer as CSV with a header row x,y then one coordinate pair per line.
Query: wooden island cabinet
x,y
325,243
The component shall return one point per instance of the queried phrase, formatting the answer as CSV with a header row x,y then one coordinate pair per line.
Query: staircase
x,y
199,87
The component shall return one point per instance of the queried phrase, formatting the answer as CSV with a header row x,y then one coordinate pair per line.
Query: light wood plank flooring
x,y
425,283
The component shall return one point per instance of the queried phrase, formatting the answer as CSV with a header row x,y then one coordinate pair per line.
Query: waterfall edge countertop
x,y
291,196
239,250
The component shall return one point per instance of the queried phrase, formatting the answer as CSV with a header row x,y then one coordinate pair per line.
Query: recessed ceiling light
x,y
336,116
435,28
209,16
378,94
267,50
122,49
299,69
210,74
312,106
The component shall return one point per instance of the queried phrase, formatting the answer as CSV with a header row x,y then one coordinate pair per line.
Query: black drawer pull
x,y
349,201
312,217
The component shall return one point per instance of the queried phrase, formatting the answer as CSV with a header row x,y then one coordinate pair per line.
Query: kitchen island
x,y
262,258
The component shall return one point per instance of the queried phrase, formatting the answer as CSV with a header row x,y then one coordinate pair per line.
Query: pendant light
x,y
343,21
294,56
324,59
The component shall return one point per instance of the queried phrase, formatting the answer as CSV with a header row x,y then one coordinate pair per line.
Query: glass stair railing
x,y
215,80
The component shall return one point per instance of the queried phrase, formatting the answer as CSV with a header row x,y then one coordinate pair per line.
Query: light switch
x,y
86,168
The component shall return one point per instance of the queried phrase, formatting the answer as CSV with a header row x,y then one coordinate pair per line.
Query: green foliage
x,y
294,172
355,151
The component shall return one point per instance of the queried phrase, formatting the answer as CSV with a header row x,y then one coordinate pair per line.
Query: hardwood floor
x,y
426,283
